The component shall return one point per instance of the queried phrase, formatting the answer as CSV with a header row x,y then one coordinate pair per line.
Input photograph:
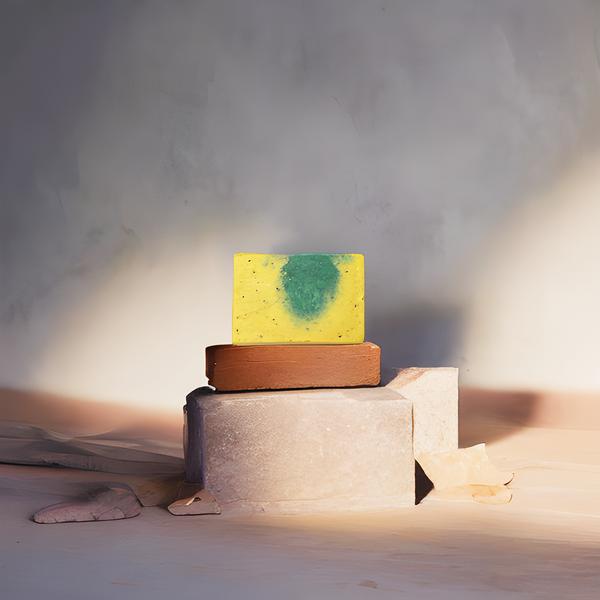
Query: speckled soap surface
x,y
298,298
308,451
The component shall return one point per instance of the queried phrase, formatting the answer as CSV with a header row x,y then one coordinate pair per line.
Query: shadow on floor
x,y
423,484
488,415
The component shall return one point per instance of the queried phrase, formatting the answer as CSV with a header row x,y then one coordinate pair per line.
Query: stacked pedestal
x,y
320,450
261,441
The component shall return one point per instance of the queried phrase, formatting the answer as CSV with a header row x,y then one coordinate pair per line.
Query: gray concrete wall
x,y
143,143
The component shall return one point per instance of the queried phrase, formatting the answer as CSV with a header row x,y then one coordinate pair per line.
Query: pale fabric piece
x,y
106,504
434,394
306,451
467,473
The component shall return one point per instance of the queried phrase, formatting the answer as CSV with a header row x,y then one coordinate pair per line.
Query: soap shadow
x,y
427,336
416,336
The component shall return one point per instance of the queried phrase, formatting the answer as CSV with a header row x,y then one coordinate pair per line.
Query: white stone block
x,y
304,451
434,394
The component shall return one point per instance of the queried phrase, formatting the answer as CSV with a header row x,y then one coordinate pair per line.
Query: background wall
x,y
455,143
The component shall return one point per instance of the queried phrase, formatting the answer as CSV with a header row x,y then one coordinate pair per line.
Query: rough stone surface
x,y
106,504
308,451
434,394
281,366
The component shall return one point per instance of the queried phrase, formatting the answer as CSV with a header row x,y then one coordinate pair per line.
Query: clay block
x,y
434,394
298,298
303,451
273,367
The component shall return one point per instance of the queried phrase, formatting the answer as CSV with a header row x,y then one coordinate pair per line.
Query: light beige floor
x,y
545,544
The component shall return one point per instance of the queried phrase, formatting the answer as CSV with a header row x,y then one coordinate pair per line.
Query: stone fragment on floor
x,y
466,473
193,500
104,504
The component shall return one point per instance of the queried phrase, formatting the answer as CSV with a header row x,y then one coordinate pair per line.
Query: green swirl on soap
x,y
310,282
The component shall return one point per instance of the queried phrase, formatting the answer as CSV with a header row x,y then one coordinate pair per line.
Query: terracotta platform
x,y
274,367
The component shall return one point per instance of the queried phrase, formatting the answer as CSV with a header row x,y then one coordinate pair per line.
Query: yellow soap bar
x,y
298,298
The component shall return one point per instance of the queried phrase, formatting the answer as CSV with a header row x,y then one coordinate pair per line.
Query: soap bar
x,y
298,299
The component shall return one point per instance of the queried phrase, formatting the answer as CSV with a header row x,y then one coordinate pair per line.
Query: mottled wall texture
x,y
453,142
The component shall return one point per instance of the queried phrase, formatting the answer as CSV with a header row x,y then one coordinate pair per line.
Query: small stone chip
x,y
196,502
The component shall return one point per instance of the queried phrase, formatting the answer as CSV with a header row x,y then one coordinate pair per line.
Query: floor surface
x,y
544,544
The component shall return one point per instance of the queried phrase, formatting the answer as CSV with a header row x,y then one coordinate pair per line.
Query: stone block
x,y
302,451
434,395
298,298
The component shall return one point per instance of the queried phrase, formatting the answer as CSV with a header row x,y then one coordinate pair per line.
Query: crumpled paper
x,y
467,473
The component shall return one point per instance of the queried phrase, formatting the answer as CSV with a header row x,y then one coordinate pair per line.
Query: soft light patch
x,y
298,298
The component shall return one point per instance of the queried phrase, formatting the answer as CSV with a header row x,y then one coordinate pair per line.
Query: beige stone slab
x,y
305,451
434,394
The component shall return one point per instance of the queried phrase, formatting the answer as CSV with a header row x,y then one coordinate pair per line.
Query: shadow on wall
x,y
416,337
86,417
52,431
489,415
486,415
148,143
52,59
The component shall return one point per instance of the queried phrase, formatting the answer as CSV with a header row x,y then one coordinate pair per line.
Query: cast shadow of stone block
x,y
423,485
